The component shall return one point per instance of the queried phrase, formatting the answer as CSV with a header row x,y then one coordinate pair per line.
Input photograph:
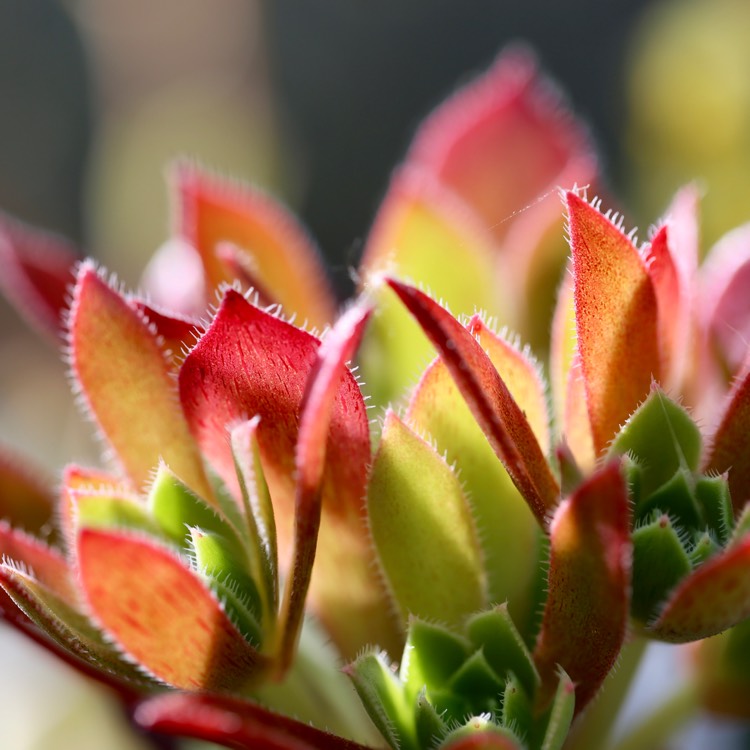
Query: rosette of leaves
x,y
476,688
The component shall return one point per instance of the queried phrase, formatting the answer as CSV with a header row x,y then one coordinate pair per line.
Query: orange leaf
x,y
126,381
616,319
161,614
281,253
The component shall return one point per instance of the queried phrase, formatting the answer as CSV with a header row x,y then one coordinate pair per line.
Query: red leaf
x,y
161,614
322,387
251,363
712,599
724,304
285,260
177,334
728,451
233,723
586,614
616,319
492,405
37,273
26,498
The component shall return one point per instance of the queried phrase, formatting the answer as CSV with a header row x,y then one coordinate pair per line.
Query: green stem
x,y
593,729
663,721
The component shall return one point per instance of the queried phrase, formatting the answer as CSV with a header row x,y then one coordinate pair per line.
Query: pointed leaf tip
x,y
489,399
616,316
126,381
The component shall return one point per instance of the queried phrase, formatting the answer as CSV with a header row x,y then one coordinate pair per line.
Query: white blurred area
x,y
173,78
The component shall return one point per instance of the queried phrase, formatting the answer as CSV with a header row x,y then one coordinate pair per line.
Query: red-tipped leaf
x,y
284,258
586,613
338,347
714,598
504,423
37,273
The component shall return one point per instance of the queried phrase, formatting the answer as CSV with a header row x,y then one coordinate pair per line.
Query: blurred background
x,y
316,101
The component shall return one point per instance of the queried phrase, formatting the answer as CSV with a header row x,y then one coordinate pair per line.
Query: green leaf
x,y
259,516
517,709
423,529
478,684
712,494
215,560
430,725
560,715
660,562
662,437
431,656
502,645
676,498
176,508
383,697
511,532
705,546
104,511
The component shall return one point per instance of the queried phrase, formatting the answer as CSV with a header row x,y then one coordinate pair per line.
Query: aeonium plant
x,y
481,569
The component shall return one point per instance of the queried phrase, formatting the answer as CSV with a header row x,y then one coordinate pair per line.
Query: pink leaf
x,y
503,140
489,399
233,723
616,319
586,613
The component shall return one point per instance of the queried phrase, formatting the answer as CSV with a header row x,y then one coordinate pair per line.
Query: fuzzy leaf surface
x,y
715,597
438,410
422,230
616,319
126,382
423,529
505,425
586,612
160,613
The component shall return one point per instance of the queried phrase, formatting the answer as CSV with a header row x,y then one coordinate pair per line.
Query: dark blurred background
x,y
340,85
